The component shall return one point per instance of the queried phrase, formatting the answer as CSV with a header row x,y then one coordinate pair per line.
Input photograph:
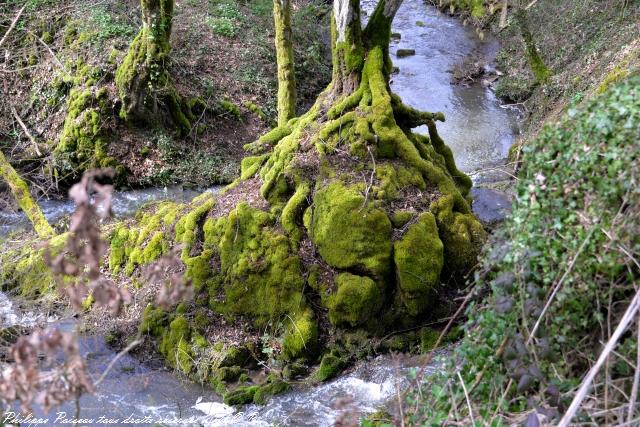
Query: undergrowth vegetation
x,y
557,278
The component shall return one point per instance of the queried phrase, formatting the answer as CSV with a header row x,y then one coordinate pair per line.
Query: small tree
x,y
538,67
286,68
143,80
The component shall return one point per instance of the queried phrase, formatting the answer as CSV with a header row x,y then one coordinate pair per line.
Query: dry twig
x,y
586,383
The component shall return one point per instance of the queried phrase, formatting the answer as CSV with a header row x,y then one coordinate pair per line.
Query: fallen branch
x,y
636,378
13,24
466,396
46,46
115,360
26,131
586,383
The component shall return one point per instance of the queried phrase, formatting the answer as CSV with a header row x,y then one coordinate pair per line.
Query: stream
x,y
478,131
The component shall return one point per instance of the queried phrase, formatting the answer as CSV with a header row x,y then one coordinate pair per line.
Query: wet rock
x,y
490,206
401,53
396,36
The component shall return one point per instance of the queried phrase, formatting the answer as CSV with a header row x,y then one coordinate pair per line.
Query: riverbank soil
x,y
59,71
588,46
561,274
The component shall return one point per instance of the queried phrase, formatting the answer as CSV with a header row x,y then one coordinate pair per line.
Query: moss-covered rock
x,y
357,299
241,396
273,387
84,143
330,366
258,394
301,336
260,273
25,269
419,258
175,345
348,234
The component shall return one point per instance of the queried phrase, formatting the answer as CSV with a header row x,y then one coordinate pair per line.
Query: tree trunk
x,y
503,14
540,70
23,197
286,67
146,90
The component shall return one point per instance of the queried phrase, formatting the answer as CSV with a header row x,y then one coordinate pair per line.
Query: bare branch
x,y
13,24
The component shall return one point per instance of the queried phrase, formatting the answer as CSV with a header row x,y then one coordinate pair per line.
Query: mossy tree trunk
x,y
342,213
144,83
538,67
23,197
285,59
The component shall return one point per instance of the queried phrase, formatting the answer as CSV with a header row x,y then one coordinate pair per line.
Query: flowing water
x,y
479,132
124,204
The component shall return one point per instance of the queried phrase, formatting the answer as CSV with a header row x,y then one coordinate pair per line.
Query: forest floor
x,y
223,54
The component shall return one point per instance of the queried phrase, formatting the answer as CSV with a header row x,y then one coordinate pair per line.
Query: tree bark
x,y
143,81
285,60
540,70
23,197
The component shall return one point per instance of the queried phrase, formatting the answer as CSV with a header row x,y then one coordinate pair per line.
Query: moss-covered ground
x,y
222,63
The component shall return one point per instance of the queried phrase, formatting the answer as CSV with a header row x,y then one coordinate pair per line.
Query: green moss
x,y
275,169
461,234
175,345
428,339
356,300
201,320
272,388
260,274
153,321
256,110
403,343
83,142
618,73
400,218
240,396
419,258
330,366
70,33
156,247
292,212
235,356
199,340
301,336
229,373
348,234
24,268
250,165
47,37
230,108
514,88
199,270
294,370
143,82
